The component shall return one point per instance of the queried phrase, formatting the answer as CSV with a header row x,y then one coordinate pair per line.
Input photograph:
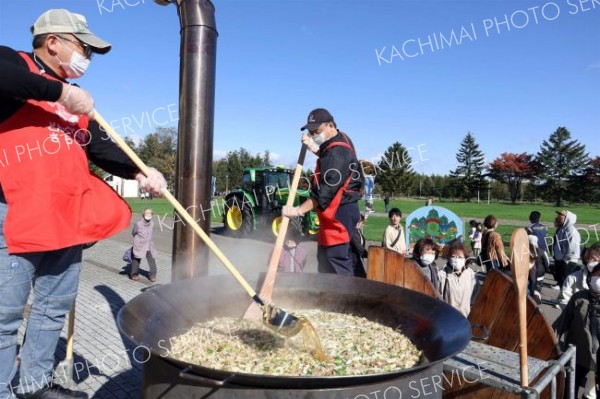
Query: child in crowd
x,y
457,279
424,254
393,237
293,255
472,228
476,240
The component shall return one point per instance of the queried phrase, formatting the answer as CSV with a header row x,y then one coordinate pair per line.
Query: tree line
x,y
561,170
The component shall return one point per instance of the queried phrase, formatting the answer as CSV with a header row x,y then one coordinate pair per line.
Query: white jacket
x,y
567,240
574,282
457,290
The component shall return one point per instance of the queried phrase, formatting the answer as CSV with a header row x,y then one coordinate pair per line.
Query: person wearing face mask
x,y
293,255
424,255
578,280
457,279
56,204
336,190
566,247
143,246
579,322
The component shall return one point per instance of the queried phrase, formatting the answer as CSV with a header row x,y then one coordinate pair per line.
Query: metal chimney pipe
x,y
193,183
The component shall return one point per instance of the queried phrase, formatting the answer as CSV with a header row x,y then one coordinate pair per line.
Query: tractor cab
x,y
265,183
259,201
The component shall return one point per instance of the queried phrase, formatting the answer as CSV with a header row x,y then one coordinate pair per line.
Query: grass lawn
x,y
162,207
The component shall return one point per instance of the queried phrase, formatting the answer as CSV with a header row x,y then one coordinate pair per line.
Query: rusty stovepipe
x,y
193,182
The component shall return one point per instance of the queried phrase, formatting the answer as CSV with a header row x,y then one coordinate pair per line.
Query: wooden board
x,y
390,267
376,264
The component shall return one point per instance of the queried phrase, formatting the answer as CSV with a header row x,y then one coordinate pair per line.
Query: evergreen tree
x,y
229,169
586,186
393,172
469,172
561,159
159,150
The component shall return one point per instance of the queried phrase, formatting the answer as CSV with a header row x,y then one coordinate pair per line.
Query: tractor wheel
x,y
237,217
275,225
293,224
312,232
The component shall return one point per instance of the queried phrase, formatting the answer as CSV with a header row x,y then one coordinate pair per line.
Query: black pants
x,y
135,264
562,269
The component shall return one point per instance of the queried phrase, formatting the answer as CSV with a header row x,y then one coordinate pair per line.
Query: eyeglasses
x,y
87,50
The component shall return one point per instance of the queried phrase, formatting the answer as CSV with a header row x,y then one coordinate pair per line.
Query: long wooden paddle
x,y
519,250
266,291
273,317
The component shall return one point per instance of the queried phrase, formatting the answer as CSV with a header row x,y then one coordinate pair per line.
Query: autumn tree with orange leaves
x,y
513,169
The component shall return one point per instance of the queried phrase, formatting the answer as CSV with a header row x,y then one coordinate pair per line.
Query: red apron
x,y
332,231
54,201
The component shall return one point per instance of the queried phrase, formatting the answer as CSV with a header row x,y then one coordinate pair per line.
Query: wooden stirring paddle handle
x,y
519,250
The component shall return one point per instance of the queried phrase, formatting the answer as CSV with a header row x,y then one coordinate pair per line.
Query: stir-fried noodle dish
x,y
353,346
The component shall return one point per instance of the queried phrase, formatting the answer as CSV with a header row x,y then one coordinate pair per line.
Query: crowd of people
x,y
452,268
38,101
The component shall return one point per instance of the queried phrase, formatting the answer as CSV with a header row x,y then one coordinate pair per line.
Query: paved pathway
x,y
104,365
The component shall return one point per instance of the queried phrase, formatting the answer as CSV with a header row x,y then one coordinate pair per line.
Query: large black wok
x,y
153,317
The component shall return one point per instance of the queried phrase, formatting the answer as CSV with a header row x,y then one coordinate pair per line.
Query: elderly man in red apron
x,y
335,193
50,203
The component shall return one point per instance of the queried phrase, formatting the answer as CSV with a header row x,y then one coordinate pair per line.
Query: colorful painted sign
x,y
435,222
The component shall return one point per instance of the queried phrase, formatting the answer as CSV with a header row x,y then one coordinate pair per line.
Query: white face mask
x,y
77,65
595,284
147,218
319,138
427,259
457,263
591,266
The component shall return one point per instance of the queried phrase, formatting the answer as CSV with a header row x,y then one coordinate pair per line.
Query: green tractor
x,y
257,205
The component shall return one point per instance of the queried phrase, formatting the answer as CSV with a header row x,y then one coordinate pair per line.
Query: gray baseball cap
x,y
64,21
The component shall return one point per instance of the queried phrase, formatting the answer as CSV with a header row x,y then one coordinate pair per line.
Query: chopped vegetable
x,y
354,346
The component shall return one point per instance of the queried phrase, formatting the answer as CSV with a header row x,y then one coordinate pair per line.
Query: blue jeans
x,y
54,276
